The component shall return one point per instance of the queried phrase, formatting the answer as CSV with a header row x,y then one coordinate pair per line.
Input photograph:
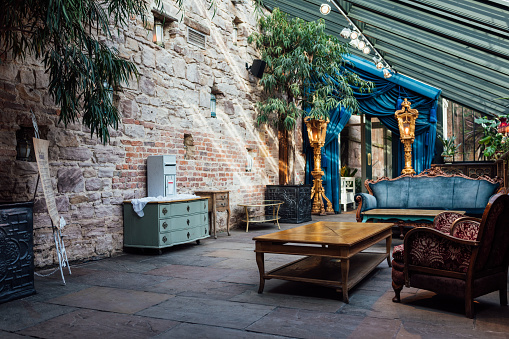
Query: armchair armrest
x,y
466,228
428,249
444,221
364,202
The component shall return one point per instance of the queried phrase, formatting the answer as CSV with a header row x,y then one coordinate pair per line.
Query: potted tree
x,y
494,143
450,148
303,77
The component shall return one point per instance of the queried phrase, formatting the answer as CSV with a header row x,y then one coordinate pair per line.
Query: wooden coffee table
x,y
332,250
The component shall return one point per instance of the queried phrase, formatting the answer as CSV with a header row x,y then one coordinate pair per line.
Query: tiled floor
x,y
210,291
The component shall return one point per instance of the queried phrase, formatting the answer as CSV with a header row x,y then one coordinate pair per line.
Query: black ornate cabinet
x,y
16,251
297,202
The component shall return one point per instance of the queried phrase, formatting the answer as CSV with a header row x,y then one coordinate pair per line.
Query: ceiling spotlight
x,y
387,73
361,44
354,35
379,65
354,43
325,9
345,33
366,50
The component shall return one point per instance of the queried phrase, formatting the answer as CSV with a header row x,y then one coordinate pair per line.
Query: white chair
x,y
347,191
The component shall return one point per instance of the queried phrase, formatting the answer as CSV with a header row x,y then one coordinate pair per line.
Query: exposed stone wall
x,y
170,100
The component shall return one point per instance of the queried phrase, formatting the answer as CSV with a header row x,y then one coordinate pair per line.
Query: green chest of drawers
x,y
166,223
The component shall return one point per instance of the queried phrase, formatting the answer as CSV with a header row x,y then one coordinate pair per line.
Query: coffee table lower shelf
x,y
326,271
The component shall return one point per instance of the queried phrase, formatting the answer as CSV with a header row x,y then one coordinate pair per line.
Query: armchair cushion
x,y
444,221
466,229
434,249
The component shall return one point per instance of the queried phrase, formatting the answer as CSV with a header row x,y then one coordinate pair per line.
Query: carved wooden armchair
x,y
463,257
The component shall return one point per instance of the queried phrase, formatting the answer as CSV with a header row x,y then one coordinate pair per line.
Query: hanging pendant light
x,y
345,33
354,35
379,65
325,9
354,43
387,73
366,50
361,44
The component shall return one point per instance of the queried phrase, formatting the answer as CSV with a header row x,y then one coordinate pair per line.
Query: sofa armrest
x,y
426,248
466,228
364,202
444,221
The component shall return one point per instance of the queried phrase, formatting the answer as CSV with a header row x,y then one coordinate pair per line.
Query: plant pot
x,y
297,202
447,159
16,251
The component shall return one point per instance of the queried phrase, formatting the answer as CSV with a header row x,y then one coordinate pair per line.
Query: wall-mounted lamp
x,y
257,68
249,161
23,144
212,106
158,33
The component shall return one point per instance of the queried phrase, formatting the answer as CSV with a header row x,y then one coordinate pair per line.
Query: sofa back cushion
x,y
436,192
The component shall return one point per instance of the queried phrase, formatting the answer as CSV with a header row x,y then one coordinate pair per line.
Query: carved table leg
x,y
345,267
388,242
261,269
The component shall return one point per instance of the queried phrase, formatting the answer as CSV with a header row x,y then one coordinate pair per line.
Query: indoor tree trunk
x,y
286,157
283,157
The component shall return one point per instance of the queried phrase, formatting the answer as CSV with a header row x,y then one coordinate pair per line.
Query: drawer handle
x,y
166,239
187,222
205,230
188,208
204,206
165,224
188,235
165,210
204,217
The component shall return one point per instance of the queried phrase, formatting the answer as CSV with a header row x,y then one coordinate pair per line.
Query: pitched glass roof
x,y
461,47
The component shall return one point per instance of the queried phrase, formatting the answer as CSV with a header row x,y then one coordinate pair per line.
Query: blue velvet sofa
x,y
430,190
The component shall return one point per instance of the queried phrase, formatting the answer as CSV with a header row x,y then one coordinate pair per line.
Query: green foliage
x,y
493,142
82,68
303,71
348,172
450,148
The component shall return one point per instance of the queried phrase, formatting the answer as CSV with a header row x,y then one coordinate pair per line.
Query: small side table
x,y
219,201
276,204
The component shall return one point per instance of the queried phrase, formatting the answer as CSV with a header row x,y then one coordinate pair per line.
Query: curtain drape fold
x,y
382,102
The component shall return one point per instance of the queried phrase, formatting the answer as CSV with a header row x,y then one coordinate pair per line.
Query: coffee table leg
x,y
261,268
388,242
345,267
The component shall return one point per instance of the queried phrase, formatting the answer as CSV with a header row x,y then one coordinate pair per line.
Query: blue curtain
x,y
382,102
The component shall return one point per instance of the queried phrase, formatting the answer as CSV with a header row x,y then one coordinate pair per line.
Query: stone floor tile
x,y
306,324
201,289
434,331
96,324
289,301
9,335
192,272
183,259
376,328
233,254
51,288
19,314
251,277
208,312
116,279
193,331
241,264
111,299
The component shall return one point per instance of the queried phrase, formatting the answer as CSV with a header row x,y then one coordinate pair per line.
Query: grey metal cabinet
x,y
166,223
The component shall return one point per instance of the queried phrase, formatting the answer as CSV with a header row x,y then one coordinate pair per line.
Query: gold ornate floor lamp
x,y
406,117
316,132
